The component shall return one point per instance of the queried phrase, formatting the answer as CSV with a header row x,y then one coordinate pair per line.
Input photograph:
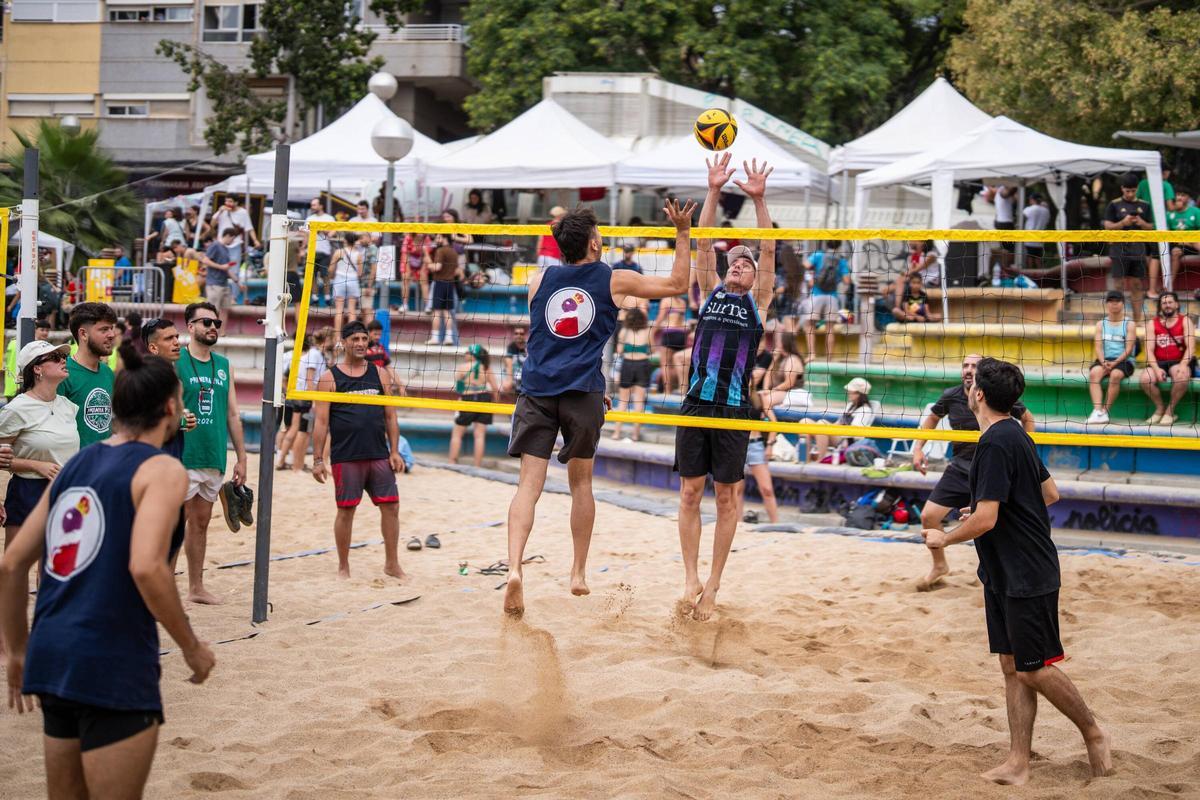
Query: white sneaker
x,y
1099,416
433,340
1167,419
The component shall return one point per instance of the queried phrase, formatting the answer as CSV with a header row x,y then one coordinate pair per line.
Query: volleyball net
x,y
889,315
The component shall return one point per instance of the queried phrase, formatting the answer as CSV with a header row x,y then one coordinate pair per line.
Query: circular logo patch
x,y
97,410
74,533
569,313
221,375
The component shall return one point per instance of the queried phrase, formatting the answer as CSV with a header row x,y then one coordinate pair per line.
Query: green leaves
x,y
72,167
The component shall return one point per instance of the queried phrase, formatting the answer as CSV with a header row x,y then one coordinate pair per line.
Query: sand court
x,y
824,674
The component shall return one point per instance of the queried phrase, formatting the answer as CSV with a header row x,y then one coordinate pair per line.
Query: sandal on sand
x,y
413,544
432,542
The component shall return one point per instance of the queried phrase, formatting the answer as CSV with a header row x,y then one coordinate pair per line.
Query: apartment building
x,y
95,60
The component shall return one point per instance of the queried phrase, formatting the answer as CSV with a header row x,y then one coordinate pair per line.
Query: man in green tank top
x,y
209,393
89,382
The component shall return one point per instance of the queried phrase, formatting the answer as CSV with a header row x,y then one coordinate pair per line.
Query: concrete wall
x,y
47,58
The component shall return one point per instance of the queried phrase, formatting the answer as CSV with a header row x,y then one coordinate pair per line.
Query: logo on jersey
x,y
74,533
97,410
221,375
569,313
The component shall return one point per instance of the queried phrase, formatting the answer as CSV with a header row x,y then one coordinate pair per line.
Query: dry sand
x,y
824,675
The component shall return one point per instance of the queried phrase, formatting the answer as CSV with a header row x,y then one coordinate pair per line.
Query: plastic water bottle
x,y
995,275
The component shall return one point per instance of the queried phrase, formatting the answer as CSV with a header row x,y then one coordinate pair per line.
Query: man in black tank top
x,y
727,336
363,448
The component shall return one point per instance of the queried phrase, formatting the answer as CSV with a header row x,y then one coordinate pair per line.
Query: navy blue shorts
x,y
93,726
444,295
23,496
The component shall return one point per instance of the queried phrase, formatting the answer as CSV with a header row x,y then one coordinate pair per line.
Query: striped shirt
x,y
727,336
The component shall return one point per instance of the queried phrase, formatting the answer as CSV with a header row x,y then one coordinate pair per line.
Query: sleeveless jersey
x,y
94,640
1112,337
357,432
205,394
572,317
727,335
1168,341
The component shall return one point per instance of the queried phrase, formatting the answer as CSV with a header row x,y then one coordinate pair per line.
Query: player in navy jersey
x,y
102,532
572,315
727,335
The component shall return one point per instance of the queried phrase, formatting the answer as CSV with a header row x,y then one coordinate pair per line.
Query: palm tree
x,y
84,196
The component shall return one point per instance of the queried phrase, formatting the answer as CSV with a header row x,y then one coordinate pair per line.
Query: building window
x,y
148,14
51,105
231,23
127,110
55,10
173,14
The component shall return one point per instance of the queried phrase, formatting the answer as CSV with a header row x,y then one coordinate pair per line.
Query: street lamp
x,y
383,85
69,124
392,139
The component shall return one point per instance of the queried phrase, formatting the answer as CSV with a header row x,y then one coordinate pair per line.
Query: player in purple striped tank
x,y
727,335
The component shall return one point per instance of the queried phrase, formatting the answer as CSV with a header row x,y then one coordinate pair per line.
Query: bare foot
x,y
204,597
514,597
579,585
1008,774
706,605
933,578
394,571
691,592
344,572
1099,754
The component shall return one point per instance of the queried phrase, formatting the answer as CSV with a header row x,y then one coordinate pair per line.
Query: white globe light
x,y
383,85
392,138
69,123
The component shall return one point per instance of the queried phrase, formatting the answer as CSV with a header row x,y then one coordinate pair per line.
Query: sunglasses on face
x,y
59,357
208,322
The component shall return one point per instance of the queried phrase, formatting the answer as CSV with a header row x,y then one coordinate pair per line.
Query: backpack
x,y
827,278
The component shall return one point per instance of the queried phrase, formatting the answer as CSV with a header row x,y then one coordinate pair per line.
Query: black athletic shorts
x,y
674,338
444,296
954,488
635,373
1007,226
712,451
93,726
1025,628
1128,259
22,497
471,417
1125,367
537,421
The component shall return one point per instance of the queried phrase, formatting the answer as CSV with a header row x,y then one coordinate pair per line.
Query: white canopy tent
x,y
935,116
64,251
545,148
1006,151
1189,140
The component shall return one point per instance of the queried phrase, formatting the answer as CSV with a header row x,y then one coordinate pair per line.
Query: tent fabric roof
x,y
937,115
678,163
342,151
1004,148
545,148
1187,139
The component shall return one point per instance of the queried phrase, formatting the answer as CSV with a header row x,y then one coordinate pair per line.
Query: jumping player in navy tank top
x,y
727,335
572,315
102,532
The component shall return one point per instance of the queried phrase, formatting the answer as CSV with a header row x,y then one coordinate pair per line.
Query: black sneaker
x,y
246,506
230,504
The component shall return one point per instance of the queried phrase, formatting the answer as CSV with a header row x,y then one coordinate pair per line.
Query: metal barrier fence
x,y
126,289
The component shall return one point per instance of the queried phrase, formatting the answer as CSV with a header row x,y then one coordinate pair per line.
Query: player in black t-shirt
x,y
1018,565
952,490
1127,213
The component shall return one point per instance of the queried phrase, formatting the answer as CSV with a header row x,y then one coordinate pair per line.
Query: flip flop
x,y
432,542
413,544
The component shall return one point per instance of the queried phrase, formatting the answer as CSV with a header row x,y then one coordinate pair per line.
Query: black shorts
x,y
93,726
321,263
1128,259
712,451
1025,628
953,490
23,495
537,421
290,410
674,339
1165,365
1007,226
472,417
635,373
1124,367
444,297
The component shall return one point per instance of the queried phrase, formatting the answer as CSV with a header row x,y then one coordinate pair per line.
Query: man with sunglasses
x,y
89,382
209,391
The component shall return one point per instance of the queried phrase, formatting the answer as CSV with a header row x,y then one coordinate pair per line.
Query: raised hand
x,y
681,218
719,171
756,178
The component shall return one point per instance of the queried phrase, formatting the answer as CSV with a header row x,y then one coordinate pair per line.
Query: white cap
x,y
860,385
740,251
35,350
557,211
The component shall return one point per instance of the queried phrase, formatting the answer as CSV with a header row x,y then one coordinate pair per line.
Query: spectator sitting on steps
x,y
1116,337
1170,346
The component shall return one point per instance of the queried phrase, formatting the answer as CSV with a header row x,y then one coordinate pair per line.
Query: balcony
x,y
432,56
419,33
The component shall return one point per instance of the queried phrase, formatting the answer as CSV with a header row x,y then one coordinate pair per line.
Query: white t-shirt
x,y
1037,217
227,219
323,245
313,360
1005,206
40,431
172,231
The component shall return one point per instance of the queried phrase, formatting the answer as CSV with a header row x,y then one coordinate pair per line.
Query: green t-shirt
x,y
1143,191
92,392
205,394
1186,220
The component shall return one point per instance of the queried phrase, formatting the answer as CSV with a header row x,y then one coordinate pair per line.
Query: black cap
x,y
351,328
1114,295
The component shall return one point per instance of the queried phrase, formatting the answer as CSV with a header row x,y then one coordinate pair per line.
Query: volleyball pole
x,y
273,334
